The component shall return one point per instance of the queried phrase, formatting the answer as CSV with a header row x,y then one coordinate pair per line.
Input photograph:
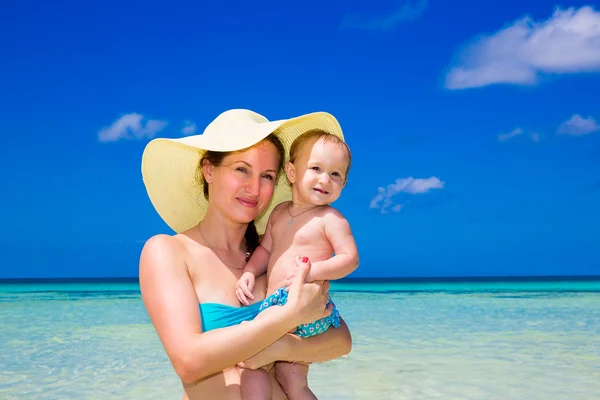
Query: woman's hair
x,y
215,158
315,135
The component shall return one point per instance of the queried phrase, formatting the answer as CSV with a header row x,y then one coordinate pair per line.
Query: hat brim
x,y
170,168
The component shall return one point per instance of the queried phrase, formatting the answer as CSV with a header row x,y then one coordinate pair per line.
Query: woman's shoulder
x,y
161,249
161,242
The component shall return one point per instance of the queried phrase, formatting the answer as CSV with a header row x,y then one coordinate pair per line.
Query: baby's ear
x,y
290,171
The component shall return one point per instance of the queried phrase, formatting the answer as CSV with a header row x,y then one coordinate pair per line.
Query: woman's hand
x,y
307,302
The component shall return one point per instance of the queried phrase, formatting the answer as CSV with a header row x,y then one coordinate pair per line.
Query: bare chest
x,y
303,238
299,232
213,281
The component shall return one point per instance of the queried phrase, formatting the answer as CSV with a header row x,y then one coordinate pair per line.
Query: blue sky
x,y
475,135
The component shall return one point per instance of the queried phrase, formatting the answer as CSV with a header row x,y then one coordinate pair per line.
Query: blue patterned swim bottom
x,y
279,298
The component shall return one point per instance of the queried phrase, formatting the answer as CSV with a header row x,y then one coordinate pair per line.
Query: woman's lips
x,y
247,202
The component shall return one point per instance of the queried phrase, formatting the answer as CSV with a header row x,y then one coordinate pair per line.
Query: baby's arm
x,y
257,265
345,261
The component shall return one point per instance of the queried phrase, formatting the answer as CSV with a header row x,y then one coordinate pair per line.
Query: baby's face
x,y
320,172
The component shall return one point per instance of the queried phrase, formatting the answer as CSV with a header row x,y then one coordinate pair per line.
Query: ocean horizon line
x,y
400,279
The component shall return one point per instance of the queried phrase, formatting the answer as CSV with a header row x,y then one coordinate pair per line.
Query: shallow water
x,y
416,341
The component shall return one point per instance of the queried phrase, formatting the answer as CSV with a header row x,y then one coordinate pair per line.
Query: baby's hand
x,y
244,287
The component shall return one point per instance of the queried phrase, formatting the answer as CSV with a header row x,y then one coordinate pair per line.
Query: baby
x,y
305,227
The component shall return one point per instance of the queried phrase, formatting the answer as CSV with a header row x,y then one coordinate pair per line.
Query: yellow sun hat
x,y
170,166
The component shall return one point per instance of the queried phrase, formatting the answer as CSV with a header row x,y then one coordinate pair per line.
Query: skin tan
x,y
179,272
317,231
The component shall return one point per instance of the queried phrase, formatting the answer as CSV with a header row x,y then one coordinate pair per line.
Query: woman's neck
x,y
221,232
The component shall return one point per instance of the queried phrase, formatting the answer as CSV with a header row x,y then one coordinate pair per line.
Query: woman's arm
x,y
334,343
172,304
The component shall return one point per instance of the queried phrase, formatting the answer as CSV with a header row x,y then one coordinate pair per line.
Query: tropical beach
x,y
412,340
442,160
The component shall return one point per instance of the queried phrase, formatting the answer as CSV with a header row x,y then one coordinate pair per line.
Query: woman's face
x,y
242,186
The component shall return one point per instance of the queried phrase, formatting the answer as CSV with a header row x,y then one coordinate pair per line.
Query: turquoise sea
x,y
452,339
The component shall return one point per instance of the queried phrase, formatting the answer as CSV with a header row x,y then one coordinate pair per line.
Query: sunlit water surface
x,y
488,340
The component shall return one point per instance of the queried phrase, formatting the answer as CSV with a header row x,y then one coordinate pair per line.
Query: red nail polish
x,y
304,259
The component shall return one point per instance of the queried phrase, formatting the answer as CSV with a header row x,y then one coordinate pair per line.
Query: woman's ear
x,y
290,171
207,171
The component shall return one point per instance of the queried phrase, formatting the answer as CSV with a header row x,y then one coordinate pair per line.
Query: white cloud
x,y
408,12
384,198
505,136
534,136
130,126
567,42
189,128
578,126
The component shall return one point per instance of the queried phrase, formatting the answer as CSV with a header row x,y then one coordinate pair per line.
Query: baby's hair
x,y
316,135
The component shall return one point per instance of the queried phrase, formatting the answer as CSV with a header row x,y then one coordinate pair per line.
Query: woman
x,y
217,190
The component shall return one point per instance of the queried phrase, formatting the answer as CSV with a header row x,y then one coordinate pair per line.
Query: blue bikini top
x,y
216,315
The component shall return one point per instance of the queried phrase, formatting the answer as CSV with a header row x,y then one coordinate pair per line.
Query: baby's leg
x,y
255,384
293,378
